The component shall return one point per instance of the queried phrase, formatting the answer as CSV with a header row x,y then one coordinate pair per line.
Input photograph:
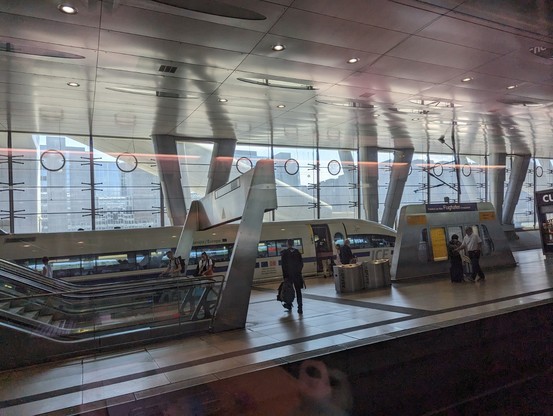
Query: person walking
x,y
47,269
473,245
346,255
292,265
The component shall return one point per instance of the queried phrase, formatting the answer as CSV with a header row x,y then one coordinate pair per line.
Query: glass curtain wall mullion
x,y
92,184
6,183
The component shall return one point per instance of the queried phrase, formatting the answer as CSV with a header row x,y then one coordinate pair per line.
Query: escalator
x,y
43,319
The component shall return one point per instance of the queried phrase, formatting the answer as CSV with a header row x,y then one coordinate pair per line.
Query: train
x,y
123,254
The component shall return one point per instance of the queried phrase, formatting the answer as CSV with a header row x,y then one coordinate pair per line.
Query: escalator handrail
x,y
135,288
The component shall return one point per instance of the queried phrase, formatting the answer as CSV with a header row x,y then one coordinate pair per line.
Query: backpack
x,y
286,292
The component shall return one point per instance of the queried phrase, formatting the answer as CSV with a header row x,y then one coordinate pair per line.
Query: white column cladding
x,y
516,180
221,163
368,168
165,147
496,174
398,177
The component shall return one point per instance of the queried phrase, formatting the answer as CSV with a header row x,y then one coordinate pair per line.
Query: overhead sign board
x,y
462,207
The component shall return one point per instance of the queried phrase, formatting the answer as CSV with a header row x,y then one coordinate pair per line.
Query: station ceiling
x,y
184,67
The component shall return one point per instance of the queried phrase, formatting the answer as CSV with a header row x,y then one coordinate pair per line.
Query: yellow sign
x,y
416,219
487,215
439,244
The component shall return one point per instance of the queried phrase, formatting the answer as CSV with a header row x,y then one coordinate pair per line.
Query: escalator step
x,y
45,318
30,314
15,310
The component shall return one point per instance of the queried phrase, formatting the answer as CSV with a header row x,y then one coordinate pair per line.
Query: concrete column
x,y
516,180
496,175
368,169
398,177
165,147
221,163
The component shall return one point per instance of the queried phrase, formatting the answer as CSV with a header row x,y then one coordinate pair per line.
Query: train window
x,y
112,263
339,239
382,240
219,253
357,241
66,267
158,258
283,244
30,263
88,265
142,260
266,249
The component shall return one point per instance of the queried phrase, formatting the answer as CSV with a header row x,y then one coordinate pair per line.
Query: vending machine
x,y
544,210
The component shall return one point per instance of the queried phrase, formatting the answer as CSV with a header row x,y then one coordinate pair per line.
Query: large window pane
x,y
194,159
4,184
127,192
338,183
51,184
295,176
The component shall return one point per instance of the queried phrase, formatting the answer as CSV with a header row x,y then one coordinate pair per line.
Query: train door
x,y
323,247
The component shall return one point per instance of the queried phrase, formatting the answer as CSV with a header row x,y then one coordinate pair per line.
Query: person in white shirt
x,y
173,268
47,269
472,243
205,265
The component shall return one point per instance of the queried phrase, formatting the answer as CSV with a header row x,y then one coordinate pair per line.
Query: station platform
x,y
385,351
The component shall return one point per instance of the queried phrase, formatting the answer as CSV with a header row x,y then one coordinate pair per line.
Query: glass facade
x,y
51,183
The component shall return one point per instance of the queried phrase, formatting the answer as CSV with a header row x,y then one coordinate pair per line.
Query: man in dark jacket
x,y
456,269
292,265
346,255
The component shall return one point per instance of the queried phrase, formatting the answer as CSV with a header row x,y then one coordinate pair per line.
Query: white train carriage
x,y
90,256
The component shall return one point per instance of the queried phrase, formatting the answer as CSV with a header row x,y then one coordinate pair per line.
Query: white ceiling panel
x,y
292,70
167,50
408,50
337,32
441,53
313,53
379,13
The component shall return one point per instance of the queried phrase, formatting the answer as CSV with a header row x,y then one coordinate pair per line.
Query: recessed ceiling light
x,y
434,103
278,47
151,92
67,8
348,104
512,87
467,79
277,83
353,60
409,110
223,100
9,47
73,84
281,106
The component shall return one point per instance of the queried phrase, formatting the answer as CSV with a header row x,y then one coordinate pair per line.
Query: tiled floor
x,y
272,336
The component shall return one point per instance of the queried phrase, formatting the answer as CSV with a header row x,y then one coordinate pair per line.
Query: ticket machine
x,y
424,231
544,210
